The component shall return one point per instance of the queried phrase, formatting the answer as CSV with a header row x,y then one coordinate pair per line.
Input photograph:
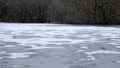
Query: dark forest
x,y
65,11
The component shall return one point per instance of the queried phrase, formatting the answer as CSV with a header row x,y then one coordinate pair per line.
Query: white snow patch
x,y
88,58
118,61
84,47
79,51
113,43
20,55
84,35
102,52
108,34
43,47
9,46
91,57
3,52
117,46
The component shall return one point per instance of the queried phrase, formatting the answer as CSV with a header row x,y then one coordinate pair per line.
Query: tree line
x,y
62,11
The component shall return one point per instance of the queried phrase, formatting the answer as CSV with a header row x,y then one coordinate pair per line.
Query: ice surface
x,y
59,45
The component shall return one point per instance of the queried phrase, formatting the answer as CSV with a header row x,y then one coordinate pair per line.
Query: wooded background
x,y
64,11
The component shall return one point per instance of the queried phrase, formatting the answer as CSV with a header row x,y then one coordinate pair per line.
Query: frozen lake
x,y
59,46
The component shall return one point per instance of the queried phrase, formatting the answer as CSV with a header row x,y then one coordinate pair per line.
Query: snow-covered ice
x,y
58,45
